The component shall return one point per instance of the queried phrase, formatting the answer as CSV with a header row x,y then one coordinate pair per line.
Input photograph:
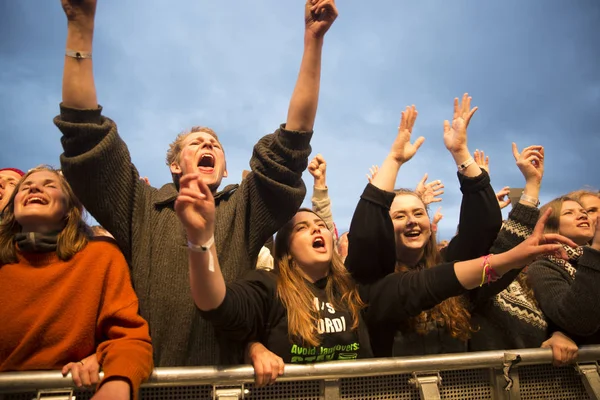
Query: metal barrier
x,y
515,374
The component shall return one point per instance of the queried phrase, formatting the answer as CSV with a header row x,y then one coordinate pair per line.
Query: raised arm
x,y
521,219
96,162
321,203
480,216
78,89
303,106
371,242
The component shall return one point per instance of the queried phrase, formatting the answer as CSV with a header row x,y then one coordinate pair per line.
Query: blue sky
x,y
532,67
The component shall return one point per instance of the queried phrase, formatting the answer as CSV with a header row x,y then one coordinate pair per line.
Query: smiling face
x,y
40,203
207,154
311,244
412,227
574,223
8,182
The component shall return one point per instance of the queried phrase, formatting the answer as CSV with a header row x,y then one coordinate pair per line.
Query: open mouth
x,y
412,234
35,200
583,225
318,243
207,160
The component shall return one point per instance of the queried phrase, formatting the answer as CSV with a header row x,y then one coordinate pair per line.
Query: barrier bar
x,y
29,381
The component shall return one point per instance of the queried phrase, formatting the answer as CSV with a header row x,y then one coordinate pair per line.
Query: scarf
x,y
36,242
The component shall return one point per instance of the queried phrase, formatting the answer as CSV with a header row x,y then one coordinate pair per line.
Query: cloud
x,y
532,68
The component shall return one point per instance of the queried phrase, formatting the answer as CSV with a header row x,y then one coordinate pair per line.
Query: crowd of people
x,y
192,274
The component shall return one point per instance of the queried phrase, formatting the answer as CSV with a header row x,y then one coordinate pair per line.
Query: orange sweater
x,y
54,312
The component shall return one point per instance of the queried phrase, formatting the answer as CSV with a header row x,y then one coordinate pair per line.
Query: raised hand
x,y
437,217
429,192
482,160
402,150
318,169
79,11
372,173
502,196
195,205
319,16
530,162
455,134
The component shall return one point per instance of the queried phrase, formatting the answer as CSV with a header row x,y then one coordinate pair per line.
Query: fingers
x,y
190,180
539,226
320,159
446,126
418,143
515,151
74,368
557,238
455,108
259,378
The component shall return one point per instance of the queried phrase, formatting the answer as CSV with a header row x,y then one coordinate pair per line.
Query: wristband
x,y
203,249
78,54
463,166
531,200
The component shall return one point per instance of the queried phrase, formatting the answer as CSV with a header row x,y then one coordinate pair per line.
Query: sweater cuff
x,y
294,139
380,197
79,116
525,215
128,371
590,258
473,184
320,194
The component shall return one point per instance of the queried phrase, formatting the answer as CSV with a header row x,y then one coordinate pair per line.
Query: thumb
x,y
424,179
419,142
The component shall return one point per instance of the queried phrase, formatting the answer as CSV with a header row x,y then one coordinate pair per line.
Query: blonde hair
x,y
176,146
452,313
297,297
71,239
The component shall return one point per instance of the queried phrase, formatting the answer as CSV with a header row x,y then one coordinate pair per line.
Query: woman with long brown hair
x,y
66,296
446,327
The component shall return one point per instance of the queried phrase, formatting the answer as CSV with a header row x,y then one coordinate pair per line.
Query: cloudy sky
x,y
532,67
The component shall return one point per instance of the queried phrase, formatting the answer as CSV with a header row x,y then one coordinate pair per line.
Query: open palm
x,y
455,134
402,149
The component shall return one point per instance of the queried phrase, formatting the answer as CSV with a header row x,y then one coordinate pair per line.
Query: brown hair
x,y
552,224
452,313
71,239
296,296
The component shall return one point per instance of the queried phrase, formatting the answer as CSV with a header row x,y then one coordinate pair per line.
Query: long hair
x,y
297,297
553,222
71,239
452,313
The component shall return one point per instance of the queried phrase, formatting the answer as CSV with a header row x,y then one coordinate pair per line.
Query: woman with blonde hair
x,y
567,290
66,297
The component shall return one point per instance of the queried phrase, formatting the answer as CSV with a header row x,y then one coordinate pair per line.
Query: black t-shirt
x,y
252,310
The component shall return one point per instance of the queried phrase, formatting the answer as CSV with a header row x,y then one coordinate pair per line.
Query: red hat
x,y
18,171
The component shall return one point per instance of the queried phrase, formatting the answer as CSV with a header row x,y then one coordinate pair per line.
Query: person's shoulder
x,y
103,245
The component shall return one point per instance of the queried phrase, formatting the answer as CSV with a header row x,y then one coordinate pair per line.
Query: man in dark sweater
x,y
98,166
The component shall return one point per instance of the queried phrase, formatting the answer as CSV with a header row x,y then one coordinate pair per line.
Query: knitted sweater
x,y
570,303
97,164
56,312
510,319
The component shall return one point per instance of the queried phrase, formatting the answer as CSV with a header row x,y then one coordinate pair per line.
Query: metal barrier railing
x,y
496,372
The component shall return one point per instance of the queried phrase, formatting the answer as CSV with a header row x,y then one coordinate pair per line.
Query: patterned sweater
x,y
511,319
97,164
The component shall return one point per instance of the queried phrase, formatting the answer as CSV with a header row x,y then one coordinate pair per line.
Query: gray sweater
x,y
97,164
